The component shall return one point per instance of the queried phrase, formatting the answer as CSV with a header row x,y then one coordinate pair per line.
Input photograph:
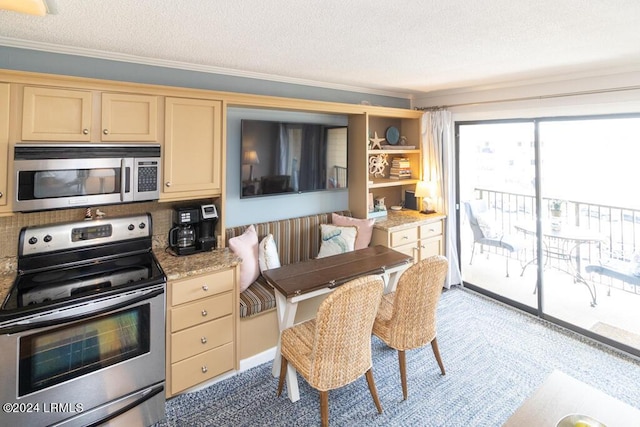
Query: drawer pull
x,y
203,340
405,237
204,313
204,369
205,288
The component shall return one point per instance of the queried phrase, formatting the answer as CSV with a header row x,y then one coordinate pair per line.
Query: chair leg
x,y
403,372
473,249
436,352
324,408
373,390
283,373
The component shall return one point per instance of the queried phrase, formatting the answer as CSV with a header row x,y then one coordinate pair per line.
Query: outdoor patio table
x,y
563,244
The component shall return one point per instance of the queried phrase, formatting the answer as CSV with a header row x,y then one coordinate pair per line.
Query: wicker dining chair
x,y
334,349
406,318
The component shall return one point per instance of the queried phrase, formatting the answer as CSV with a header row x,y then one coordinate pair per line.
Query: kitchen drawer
x,y
403,237
202,367
431,230
202,311
201,338
201,286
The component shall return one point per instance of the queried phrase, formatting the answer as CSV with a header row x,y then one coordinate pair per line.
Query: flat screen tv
x,y
280,158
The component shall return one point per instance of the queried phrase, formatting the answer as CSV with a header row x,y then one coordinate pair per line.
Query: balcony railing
x,y
618,225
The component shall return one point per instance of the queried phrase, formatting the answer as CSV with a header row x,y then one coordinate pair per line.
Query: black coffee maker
x,y
193,229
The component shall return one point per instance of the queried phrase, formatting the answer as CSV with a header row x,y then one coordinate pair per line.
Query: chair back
x,y
472,208
413,319
342,345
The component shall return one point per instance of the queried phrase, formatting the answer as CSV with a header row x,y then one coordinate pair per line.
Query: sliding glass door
x,y
554,199
497,191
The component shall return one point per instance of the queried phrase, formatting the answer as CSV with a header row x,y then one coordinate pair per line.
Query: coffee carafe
x,y
193,229
183,236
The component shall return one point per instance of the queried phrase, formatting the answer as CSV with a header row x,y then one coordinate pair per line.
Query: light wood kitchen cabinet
x,y
411,233
200,329
193,152
363,156
52,114
4,145
129,117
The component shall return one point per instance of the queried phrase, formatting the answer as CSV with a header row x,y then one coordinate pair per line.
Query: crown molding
x,y
134,59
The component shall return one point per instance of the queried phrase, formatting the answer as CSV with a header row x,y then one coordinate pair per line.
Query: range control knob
x,y
48,238
33,240
131,227
142,226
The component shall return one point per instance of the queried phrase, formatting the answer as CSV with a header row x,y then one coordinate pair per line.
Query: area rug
x,y
494,356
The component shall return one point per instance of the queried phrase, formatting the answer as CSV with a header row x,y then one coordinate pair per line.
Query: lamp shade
x,y
250,158
424,189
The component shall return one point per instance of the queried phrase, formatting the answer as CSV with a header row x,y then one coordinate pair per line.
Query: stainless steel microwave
x,y
58,176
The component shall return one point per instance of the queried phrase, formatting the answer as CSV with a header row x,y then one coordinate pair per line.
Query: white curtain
x,y
438,160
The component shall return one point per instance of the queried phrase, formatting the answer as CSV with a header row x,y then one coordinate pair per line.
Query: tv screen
x,y
280,158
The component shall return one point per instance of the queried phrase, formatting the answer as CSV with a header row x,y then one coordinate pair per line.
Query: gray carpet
x,y
495,357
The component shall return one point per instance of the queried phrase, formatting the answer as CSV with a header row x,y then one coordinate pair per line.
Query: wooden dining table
x,y
308,279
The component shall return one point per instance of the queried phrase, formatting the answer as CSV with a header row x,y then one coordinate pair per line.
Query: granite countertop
x,y
397,220
179,267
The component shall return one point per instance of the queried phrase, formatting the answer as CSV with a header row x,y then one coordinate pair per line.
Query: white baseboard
x,y
258,359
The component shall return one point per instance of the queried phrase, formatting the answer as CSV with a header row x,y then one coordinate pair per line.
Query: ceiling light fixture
x,y
31,7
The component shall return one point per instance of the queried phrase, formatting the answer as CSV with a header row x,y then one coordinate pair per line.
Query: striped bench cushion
x,y
297,239
258,297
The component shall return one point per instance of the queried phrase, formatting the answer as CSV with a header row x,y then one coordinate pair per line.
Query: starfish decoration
x,y
376,141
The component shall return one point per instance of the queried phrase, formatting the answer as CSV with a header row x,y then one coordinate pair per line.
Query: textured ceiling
x,y
396,46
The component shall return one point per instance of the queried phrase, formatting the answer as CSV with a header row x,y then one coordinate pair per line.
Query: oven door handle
x,y
60,317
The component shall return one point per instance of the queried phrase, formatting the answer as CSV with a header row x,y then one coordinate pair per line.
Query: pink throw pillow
x,y
364,226
246,247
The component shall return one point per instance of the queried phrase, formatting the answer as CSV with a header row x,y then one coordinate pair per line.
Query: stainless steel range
x,y
82,338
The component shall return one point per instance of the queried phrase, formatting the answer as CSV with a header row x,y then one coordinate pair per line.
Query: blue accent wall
x,y
80,66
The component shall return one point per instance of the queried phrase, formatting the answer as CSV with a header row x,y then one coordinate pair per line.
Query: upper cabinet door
x,y
56,115
193,148
127,117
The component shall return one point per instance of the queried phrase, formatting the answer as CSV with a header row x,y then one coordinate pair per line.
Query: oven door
x,y
86,363
65,183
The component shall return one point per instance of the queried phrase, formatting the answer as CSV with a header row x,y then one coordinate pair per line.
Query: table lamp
x,y
424,191
250,158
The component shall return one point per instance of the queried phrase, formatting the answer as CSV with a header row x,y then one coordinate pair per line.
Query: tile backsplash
x,y
10,226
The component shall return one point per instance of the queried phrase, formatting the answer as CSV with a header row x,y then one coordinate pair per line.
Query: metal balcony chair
x,y
406,318
334,349
507,242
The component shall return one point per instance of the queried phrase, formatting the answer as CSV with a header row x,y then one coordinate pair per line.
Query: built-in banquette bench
x,y
297,239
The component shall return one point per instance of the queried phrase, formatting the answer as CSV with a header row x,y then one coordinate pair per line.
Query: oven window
x,y
57,355
67,183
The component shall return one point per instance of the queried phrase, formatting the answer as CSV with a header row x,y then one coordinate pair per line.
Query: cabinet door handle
x,y
85,131
205,288
1,194
204,369
167,184
105,131
204,313
203,340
